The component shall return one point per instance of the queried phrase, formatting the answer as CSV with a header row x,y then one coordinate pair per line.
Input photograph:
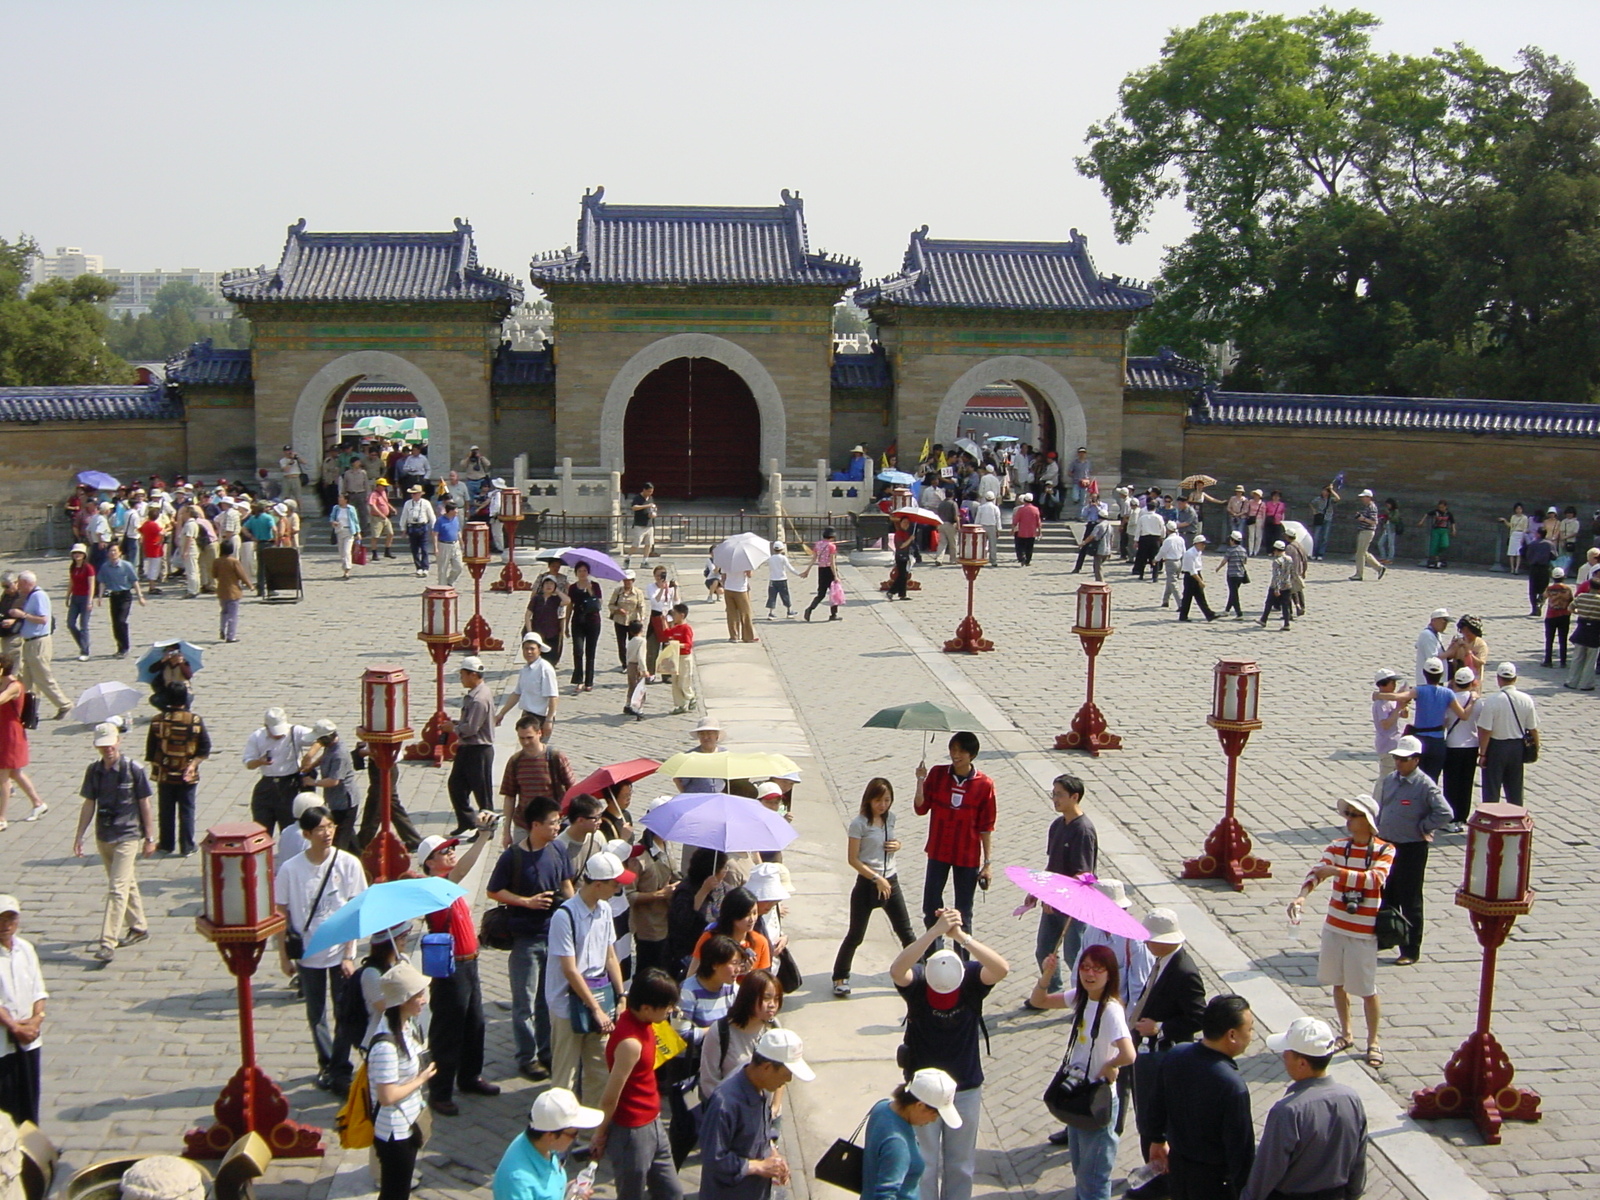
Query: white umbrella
x,y
742,552
1299,534
968,446
104,701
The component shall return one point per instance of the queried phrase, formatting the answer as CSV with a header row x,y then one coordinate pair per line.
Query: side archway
x,y
306,428
769,402
1041,380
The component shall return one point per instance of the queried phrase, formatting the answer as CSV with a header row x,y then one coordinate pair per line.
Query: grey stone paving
x,y
137,1050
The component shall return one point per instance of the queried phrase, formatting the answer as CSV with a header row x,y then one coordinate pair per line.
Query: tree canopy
x,y
56,333
171,327
1364,223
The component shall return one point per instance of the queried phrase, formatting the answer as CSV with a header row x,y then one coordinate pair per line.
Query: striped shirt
x,y
1360,868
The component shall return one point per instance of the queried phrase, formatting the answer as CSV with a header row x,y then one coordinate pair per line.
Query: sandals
x,y
1342,1042
1374,1055
39,810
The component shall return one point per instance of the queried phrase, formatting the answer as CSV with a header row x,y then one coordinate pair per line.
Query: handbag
x,y
358,554
494,928
835,593
29,716
1080,1103
789,977
843,1162
294,942
1393,928
1530,737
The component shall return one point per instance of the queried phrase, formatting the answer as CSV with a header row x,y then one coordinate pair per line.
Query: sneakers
x,y
39,810
83,658
841,987
791,614
1382,570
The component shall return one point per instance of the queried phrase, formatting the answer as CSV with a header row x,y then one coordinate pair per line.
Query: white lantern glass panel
x,y
261,866
1477,862
477,541
234,908
510,503
210,905
1507,880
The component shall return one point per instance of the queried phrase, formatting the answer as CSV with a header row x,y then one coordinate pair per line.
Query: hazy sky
x,y
165,134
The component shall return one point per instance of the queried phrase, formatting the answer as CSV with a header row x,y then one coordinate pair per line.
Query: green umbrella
x,y
413,426
924,714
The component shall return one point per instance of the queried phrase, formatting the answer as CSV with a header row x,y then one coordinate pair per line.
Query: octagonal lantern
x,y
1094,608
1499,860
439,612
476,542
385,705
1236,693
236,884
973,546
510,504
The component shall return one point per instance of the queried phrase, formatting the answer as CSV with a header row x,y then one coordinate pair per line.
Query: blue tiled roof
x,y
856,371
90,402
1166,371
664,244
203,364
375,268
1030,276
1526,418
524,366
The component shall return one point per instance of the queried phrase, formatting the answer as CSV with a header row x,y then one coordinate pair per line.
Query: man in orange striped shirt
x,y
1348,959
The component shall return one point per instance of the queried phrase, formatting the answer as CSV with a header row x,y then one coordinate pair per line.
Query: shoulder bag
x,y
29,714
294,942
494,927
1080,1103
1392,928
1530,737
842,1164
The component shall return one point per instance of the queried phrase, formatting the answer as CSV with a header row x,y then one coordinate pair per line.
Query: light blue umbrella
x,y
719,821
383,905
158,650
896,477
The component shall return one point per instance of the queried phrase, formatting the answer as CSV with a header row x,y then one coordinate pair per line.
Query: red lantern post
x,y
1088,730
237,915
511,579
477,549
1236,692
973,550
385,724
1477,1079
438,741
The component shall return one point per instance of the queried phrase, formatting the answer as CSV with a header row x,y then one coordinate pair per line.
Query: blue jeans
x,y
417,536
530,1015
323,988
1094,1154
950,1156
779,591
78,621
933,881
1058,929
1319,539
1385,550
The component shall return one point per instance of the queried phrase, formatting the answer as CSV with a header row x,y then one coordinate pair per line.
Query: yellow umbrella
x,y
733,764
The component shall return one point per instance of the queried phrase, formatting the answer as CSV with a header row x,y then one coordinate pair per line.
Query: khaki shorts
x,y
1348,960
381,526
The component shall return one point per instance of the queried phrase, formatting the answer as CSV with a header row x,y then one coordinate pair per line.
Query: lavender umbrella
x,y
601,566
718,821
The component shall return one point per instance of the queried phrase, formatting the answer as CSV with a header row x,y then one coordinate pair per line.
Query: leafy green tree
x,y
170,327
56,333
1363,222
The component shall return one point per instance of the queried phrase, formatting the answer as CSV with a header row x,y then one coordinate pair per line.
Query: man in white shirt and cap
x,y
275,750
987,514
536,691
1194,581
1503,719
22,997
1430,642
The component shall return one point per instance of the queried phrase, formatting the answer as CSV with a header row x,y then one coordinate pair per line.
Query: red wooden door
x,y
692,428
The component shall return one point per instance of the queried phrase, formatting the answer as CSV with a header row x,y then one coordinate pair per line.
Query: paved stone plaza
x,y
136,1051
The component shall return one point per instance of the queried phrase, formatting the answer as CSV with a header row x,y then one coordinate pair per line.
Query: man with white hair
x,y
1430,642
987,514
38,651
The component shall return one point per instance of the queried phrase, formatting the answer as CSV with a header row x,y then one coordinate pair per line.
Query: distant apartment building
x,y
68,262
136,290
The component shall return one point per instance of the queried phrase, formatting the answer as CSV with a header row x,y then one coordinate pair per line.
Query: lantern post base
x,y
437,742
1228,856
511,579
1477,1084
1089,732
251,1103
385,857
479,637
969,638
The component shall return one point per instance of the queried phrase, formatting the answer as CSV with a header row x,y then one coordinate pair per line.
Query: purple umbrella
x,y
1077,896
718,821
98,479
601,566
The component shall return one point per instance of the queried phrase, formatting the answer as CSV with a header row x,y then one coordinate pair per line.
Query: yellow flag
x,y
927,447
884,461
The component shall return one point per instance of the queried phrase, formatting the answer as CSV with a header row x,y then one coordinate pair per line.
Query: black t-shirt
x,y
642,516
946,1038
1072,847
527,872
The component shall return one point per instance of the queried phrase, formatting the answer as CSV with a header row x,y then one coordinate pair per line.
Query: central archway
x,y
342,373
769,403
1039,383
693,429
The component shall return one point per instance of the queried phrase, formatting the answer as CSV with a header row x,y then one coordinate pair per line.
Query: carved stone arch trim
x,y
319,389
1072,429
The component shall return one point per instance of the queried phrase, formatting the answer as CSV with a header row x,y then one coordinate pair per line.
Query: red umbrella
x,y
918,516
1077,896
605,777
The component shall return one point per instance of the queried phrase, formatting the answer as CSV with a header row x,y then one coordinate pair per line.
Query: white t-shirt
x,y
735,581
583,933
296,886
21,986
536,686
1458,735
1495,713
779,569
1113,1026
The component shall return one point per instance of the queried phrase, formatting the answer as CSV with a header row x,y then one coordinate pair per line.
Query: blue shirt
x,y
525,1174
1432,703
117,576
342,517
891,1163
448,529
38,604
735,1127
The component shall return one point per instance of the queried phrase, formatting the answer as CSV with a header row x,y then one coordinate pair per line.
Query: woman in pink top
x,y
1025,522
823,555
1272,513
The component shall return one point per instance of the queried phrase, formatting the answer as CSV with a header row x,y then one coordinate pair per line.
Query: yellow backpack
x,y
354,1119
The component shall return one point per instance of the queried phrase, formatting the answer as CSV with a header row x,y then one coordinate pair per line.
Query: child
x,y
633,657
681,635
713,577
779,572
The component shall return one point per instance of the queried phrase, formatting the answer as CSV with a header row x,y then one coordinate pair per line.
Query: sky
x,y
166,134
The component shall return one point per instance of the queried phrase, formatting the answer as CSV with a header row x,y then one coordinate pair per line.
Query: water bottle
x,y
1142,1175
582,1186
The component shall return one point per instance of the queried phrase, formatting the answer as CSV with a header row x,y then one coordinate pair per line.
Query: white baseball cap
x,y
432,845
324,728
1464,676
767,788
10,904
1162,926
1383,677
938,1091
605,866
944,971
1433,665
1407,747
1506,670
1280,545
1305,1035
1364,492
107,734
784,1046
276,721
472,663
557,1109
304,803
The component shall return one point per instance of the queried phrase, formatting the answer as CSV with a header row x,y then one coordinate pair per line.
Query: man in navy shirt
x,y
1200,1109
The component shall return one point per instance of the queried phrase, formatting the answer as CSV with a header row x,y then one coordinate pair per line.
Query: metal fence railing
x,y
680,532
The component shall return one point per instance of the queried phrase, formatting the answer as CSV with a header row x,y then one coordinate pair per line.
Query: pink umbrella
x,y
1077,896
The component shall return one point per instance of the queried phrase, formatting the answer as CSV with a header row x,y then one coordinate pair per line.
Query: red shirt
x,y
81,580
683,635
1025,521
961,810
457,922
640,1102
152,539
